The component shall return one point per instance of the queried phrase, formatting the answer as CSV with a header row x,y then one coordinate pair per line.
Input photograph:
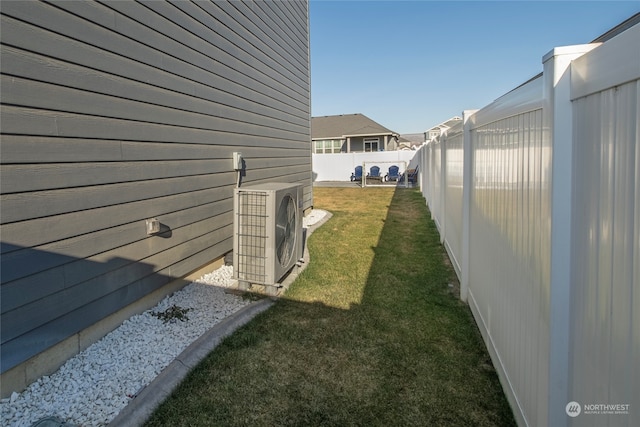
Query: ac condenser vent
x,y
267,238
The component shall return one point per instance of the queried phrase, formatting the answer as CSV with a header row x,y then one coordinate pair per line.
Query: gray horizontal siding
x,y
38,204
156,49
92,278
142,82
33,177
43,149
39,122
20,262
46,96
57,329
62,227
116,112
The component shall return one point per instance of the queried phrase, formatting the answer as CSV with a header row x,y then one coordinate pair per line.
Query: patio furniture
x,y
411,174
374,173
357,174
393,174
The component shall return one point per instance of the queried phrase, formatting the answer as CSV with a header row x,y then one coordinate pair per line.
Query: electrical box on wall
x,y
153,226
237,160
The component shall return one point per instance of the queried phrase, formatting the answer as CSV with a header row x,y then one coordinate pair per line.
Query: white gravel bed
x,y
313,217
91,388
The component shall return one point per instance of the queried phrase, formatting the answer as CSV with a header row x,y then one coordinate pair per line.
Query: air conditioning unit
x,y
267,233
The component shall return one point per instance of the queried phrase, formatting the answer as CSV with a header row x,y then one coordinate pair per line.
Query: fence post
x,y
558,124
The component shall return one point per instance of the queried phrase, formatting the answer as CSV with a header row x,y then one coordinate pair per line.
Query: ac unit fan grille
x,y
285,230
252,235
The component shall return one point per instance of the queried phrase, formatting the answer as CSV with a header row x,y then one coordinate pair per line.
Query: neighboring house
x,y
117,112
350,133
437,130
411,141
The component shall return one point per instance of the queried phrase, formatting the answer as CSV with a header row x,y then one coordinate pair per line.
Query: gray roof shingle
x,y
335,127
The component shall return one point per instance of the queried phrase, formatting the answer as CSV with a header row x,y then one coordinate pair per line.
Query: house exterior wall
x,y
357,143
392,144
116,112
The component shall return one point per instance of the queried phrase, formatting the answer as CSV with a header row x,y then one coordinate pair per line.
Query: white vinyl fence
x,y
537,199
444,188
340,166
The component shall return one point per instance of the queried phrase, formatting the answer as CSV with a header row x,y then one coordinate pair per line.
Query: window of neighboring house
x,y
371,144
327,146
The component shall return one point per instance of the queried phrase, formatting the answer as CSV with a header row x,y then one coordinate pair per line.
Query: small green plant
x,y
172,314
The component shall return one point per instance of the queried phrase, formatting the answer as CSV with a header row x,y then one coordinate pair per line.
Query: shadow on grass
x,y
369,334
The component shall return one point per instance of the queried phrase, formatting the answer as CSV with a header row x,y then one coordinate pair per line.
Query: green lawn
x,y
370,334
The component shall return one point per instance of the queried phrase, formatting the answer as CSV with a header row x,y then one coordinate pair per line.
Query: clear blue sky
x,y
410,65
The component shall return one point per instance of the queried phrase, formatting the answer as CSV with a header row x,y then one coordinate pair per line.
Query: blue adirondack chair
x,y
374,173
357,174
411,175
394,174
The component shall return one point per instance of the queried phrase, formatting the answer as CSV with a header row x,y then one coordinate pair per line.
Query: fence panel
x,y
452,144
424,158
509,234
606,230
435,175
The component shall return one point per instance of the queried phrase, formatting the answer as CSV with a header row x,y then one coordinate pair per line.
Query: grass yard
x,y
370,334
